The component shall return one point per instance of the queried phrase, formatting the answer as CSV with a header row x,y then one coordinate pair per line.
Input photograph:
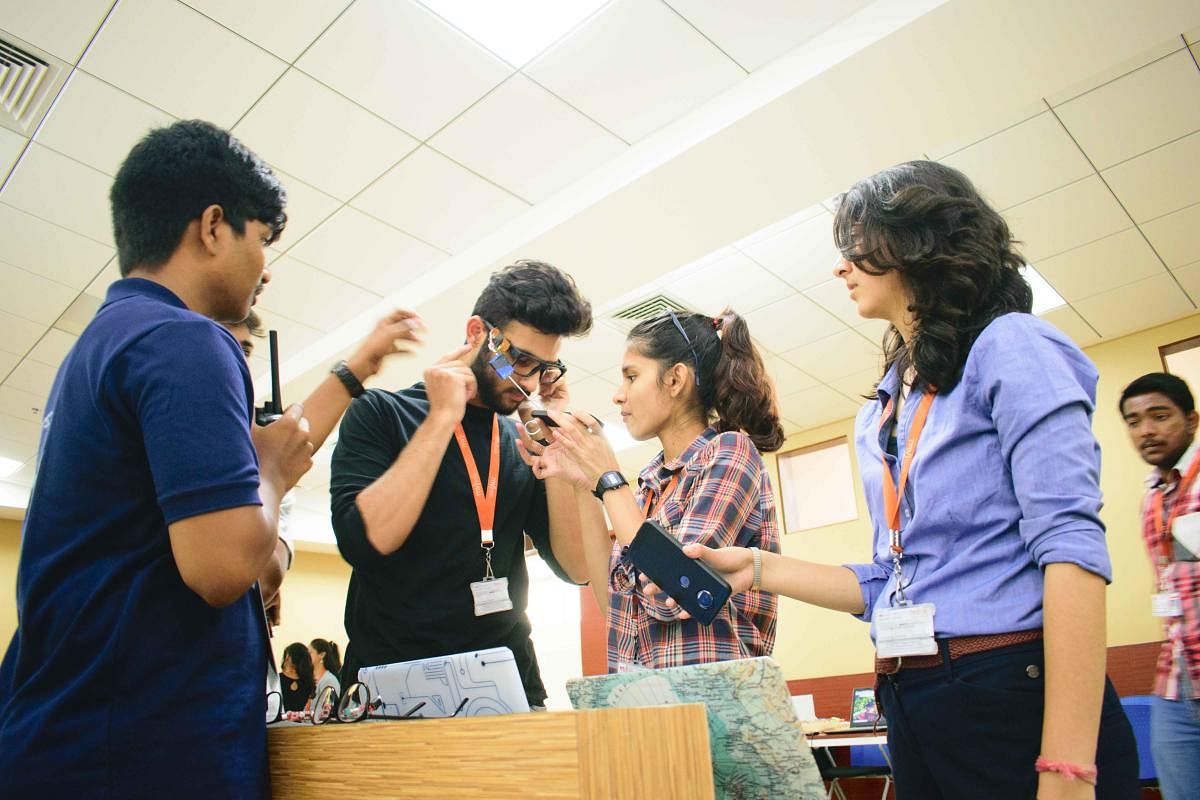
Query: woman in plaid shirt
x,y
697,384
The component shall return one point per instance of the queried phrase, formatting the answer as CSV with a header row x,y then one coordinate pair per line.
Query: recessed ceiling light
x,y
1044,296
515,30
8,467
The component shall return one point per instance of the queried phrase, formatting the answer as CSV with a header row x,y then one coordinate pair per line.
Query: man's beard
x,y
490,386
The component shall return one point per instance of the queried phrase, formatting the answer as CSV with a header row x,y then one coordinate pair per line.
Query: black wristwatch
x,y
348,378
608,481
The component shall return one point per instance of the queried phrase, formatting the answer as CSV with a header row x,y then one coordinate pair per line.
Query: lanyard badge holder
x,y
491,593
905,629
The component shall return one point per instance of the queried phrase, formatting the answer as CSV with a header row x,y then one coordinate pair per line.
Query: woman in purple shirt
x,y
986,591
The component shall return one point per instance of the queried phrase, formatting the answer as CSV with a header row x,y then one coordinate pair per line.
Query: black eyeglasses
x,y
355,705
521,363
686,338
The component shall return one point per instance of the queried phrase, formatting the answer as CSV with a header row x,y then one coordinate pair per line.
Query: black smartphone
x,y
273,408
544,416
695,586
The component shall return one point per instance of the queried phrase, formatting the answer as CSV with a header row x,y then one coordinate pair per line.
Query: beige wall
x,y
811,642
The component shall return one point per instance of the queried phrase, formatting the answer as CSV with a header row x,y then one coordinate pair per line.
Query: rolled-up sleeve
x,y
871,580
1041,394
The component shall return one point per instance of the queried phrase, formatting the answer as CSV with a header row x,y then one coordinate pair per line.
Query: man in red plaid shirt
x,y
1161,415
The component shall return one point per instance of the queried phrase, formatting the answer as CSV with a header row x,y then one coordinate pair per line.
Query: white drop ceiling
x,y
688,147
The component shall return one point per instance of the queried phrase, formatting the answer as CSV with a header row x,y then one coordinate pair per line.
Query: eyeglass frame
x,y
329,698
513,353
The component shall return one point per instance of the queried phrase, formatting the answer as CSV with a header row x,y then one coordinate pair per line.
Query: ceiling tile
x,y
599,353
53,347
552,146
60,27
20,430
873,329
403,63
285,27
8,361
736,282
17,335
33,377
1108,263
818,405
98,124
26,294
516,30
1161,181
434,199
859,385
1067,320
183,62
785,224
594,394
1189,278
21,404
79,314
111,273
36,186
293,337
48,250
1137,112
787,377
1022,162
17,451
634,67
790,323
11,145
1066,218
833,297
754,32
310,296
364,251
1135,307
306,209
343,147
1174,236
803,255
836,356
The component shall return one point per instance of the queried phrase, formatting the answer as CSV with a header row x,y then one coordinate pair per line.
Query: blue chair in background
x,y
866,761
1137,708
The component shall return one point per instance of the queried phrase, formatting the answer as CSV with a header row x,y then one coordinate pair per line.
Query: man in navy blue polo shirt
x,y
137,665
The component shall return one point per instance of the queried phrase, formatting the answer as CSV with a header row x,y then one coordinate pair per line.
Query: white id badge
x,y
491,596
905,631
1166,604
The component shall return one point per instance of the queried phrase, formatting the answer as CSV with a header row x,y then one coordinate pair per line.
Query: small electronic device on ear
x,y
273,408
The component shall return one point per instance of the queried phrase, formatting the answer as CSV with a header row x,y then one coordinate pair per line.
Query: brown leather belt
x,y
959,646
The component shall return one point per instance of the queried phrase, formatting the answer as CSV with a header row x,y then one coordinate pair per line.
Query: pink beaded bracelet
x,y
1085,773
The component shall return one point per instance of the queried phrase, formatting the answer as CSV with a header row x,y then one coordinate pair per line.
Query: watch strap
x,y
609,481
344,374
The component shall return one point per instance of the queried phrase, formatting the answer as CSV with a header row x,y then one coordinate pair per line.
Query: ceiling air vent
x,y
29,80
646,308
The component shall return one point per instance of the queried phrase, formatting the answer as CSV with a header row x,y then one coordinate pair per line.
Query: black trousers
x,y
972,728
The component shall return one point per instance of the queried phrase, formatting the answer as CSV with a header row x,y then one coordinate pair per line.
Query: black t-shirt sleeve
x,y
537,527
368,444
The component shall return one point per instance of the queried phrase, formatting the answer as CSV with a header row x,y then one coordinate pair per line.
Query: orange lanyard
x,y
1166,545
648,508
485,502
891,492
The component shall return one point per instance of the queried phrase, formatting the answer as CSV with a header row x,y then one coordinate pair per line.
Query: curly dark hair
x,y
176,172
537,294
733,388
953,251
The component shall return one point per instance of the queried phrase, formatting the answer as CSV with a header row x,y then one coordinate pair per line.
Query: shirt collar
x,y
658,472
140,287
1154,480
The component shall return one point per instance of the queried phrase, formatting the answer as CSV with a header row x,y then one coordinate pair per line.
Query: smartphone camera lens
x,y
685,581
704,598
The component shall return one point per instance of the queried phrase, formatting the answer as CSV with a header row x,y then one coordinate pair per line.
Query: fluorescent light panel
x,y
515,30
9,467
1044,297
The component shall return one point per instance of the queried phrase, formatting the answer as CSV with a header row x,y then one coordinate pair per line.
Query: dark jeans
x,y
972,728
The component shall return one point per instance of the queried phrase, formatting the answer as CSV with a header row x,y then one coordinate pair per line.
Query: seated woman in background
x,y
296,677
697,384
327,665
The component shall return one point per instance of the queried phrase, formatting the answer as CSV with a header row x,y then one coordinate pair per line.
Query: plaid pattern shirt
x,y
723,498
1181,647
